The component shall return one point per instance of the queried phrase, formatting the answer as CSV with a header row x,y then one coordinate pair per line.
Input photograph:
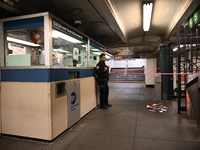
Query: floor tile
x,y
92,141
20,144
123,96
154,144
113,125
164,128
5,141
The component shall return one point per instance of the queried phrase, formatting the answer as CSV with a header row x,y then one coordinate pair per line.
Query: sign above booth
x,y
61,27
94,44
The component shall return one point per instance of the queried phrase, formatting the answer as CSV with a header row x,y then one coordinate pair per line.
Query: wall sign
x,y
192,22
119,57
69,31
15,49
196,18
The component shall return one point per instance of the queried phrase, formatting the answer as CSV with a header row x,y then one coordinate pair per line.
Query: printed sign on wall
x,y
75,53
15,49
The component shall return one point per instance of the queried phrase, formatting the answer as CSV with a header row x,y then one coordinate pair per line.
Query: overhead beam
x,y
10,8
107,15
190,7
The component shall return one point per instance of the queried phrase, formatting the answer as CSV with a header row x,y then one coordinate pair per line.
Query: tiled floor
x,y
127,125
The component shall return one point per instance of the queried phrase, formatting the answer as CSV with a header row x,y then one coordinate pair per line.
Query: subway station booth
x,y
41,99
48,88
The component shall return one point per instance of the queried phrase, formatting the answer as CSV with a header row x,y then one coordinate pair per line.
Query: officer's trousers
x,y
104,92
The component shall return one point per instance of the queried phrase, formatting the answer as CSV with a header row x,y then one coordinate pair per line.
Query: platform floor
x,y
127,125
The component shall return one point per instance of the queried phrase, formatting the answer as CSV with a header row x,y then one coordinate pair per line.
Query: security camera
x,y
77,21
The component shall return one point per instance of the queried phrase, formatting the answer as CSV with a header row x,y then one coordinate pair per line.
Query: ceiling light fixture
x,y
108,54
60,50
147,13
176,48
56,34
95,50
21,42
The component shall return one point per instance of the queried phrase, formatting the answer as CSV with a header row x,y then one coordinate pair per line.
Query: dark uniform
x,y
102,80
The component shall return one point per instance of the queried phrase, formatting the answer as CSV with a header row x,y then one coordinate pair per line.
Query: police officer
x,y
102,76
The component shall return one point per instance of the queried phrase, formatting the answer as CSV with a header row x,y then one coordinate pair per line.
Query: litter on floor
x,y
157,108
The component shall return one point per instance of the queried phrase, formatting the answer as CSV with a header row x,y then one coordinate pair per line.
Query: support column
x,y
166,66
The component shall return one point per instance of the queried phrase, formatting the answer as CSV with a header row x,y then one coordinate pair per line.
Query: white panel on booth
x,y
59,107
26,109
88,95
73,93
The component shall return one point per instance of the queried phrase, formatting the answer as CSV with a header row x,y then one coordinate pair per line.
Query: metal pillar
x,y
179,70
166,66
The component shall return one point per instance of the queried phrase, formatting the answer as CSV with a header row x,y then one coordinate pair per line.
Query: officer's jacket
x,y
100,71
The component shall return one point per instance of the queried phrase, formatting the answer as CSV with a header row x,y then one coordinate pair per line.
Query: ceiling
x,y
116,24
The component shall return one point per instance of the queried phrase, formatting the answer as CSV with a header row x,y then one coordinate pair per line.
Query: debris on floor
x,y
157,108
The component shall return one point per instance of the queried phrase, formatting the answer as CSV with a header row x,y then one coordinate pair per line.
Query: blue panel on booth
x,y
86,73
42,75
23,23
58,74
25,75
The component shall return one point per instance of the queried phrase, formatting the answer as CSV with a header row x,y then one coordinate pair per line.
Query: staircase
x,y
127,75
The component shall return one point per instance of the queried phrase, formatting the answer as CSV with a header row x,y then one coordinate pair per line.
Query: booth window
x,y
68,51
94,56
24,47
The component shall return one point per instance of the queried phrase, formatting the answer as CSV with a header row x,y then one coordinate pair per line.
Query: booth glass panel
x,y
94,56
68,51
24,47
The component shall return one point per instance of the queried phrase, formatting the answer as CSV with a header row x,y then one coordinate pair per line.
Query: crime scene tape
x,y
123,71
162,73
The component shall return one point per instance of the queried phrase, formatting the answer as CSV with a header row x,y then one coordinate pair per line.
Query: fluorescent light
x,y
147,13
21,42
108,57
95,50
60,50
175,49
57,34
97,53
108,54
